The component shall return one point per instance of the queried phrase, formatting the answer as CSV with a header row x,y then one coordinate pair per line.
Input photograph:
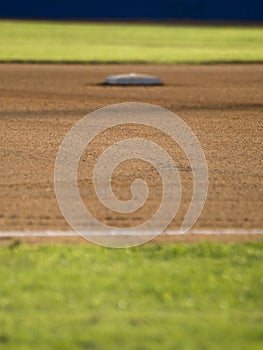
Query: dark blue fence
x,y
232,10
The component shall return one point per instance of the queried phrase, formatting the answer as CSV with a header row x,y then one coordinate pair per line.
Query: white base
x,y
132,79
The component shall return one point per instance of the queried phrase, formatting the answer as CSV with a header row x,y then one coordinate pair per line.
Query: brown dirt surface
x,y
223,104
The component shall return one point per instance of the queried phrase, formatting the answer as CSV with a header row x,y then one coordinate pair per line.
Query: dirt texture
x,y
223,105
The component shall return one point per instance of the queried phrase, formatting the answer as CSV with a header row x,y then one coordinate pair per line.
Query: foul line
x,y
124,233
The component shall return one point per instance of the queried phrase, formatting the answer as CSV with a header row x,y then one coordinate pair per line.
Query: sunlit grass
x,y
200,296
91,42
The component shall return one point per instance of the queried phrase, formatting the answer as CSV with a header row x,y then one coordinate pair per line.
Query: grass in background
x,y
90,42
200,296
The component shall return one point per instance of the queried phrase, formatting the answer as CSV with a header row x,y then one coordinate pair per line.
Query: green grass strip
x,y
123,43
185,297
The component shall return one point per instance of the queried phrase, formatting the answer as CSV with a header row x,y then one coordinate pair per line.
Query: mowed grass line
x,y
200,296
97,42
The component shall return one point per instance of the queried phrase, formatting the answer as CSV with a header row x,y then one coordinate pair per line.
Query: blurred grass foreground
x,y
200,296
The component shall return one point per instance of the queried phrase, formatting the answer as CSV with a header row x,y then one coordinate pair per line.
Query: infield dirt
x,y
221,103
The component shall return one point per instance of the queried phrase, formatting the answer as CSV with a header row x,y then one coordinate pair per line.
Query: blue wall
x,y
240,10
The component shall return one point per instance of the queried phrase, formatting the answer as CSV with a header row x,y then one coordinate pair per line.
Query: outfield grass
x,y
200,296
80,42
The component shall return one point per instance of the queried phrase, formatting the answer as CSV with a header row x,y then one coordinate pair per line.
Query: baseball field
x,y
200,290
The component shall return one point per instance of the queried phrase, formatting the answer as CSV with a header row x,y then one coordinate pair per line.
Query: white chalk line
x,y
124,233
